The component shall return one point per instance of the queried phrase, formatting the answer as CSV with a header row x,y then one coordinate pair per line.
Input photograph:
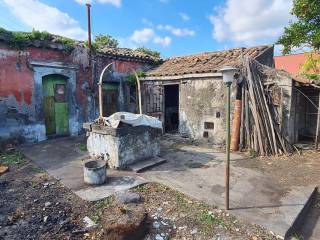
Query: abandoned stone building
x,y
48,90
187,93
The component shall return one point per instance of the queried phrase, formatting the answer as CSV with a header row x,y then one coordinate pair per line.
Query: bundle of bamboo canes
x,y
259,129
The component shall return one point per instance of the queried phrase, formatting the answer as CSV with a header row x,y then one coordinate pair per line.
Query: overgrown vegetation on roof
x,y
22,40
148,51
101,41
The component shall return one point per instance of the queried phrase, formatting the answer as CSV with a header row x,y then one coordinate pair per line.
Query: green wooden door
x,y
55,105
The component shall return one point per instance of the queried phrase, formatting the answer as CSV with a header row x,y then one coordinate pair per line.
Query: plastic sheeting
x,y
132,119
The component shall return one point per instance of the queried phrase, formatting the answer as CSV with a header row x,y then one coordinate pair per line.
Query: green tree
x,y
304,32
106,41
148,51
102,41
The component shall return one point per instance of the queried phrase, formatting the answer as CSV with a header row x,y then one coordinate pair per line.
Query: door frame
x,y
43,68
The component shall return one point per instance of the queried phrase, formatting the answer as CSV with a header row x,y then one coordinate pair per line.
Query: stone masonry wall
x,y
202,109
21,71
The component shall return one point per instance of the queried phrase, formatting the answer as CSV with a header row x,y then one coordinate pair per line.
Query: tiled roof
x,y
207,62
54,43
128,53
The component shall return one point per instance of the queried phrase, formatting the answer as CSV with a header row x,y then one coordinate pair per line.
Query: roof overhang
x,y
182,76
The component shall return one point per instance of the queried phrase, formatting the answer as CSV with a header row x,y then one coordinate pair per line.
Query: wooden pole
x,y
318,125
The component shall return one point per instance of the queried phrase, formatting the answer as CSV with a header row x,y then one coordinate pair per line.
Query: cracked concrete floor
x,y
196,171
254,197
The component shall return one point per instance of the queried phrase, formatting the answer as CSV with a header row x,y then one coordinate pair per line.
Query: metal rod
x,y
89,31
139,91
227,176
100,91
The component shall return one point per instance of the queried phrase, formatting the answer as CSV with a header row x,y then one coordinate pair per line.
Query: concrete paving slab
x,y
146,164
254,197
196,171
63,160
114,184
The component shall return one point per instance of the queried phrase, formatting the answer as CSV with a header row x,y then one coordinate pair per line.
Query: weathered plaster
x,y
124,146
42,69
203,100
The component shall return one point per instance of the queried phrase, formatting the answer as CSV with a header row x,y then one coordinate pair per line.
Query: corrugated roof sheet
x,y
206,62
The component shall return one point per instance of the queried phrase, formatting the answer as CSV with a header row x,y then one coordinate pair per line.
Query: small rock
x,y
279,237
35,200
194,231
164,223
89,223
160,209
47,204
237,229
128,197
45,219
159,237
156,225
182,228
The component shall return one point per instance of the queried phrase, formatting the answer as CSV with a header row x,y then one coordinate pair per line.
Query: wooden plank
x,y
61,118
254,110
49,115
318,126
241,144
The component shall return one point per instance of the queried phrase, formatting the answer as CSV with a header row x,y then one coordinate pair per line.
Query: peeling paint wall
x,y
202,109
124,146
21,72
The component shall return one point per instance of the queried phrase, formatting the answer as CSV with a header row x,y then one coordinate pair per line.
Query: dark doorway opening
x,y
307,100
110,97
171,93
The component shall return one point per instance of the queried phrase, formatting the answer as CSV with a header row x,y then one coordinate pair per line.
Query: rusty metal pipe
x,y
236,126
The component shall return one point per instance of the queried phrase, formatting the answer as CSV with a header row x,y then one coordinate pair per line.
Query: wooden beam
x,y
318,125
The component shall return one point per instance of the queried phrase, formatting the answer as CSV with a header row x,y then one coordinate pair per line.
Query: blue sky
x,y
173,27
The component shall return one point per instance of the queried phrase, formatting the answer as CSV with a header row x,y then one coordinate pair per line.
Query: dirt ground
x,y
294,170
35,206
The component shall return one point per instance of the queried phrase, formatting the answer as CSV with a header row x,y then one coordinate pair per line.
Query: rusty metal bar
x,y
89,31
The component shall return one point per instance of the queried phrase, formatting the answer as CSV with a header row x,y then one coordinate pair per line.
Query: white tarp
x,y
132,119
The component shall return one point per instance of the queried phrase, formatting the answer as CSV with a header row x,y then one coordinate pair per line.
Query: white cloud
x,y
179,32
147,22
165,41
43,17
185,17
251,22
146,35
116,3
143,35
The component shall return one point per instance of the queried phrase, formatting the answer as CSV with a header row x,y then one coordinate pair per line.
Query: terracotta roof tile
x,y
128,53
204,62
